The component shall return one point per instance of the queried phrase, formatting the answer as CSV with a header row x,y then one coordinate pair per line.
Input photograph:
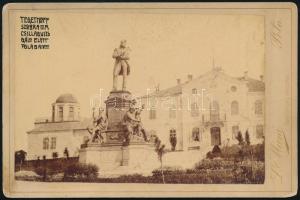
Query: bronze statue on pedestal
x,y
121,68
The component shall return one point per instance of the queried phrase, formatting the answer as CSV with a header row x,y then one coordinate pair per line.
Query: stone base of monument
x,y
115,160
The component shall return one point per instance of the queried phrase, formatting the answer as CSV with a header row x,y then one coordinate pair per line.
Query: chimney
x,y
261,77
246,75
190,77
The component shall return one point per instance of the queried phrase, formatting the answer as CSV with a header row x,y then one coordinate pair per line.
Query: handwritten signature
x,y
279,149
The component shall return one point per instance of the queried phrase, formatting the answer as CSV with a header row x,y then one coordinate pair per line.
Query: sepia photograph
x,y
142,99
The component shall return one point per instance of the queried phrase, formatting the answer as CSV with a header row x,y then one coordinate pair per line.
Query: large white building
x,y
204,111
207,110
65,129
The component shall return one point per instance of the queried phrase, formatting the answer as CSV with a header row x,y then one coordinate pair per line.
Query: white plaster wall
x,y
63,139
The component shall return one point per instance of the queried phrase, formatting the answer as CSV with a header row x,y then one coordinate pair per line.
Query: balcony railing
x,y
214,119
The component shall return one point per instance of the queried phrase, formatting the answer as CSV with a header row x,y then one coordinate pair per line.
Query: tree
x,y
20,157
247,137
160,150
240,138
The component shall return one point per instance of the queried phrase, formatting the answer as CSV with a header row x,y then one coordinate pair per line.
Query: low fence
x,y
30,165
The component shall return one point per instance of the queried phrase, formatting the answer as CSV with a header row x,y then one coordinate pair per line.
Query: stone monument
x,y
118,143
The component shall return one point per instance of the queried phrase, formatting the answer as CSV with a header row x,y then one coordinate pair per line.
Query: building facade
x,y
206,111
65,130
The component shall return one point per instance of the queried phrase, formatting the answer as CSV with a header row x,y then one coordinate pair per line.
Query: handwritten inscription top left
x,y
35,33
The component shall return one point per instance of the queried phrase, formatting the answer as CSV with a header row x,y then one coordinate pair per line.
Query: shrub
x,y
54,167
168,170
81,171
228,171
216,150
27,176
40,171
247,137
237,152
240,138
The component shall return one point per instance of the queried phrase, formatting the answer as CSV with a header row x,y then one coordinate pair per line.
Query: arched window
x,y
196,134
194,110
46,143
234,108
172,112
258,107
259,131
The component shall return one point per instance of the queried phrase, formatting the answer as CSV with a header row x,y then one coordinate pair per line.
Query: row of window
x,y
46,143
214,110
232,88
61,113
197,134
259,129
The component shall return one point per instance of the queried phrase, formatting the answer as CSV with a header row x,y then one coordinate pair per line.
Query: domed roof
x,y
66,98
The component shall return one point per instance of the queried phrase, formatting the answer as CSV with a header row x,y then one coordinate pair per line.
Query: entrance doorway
x,y
215,136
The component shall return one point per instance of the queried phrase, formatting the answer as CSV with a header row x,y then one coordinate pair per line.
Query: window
x,y
46,143
53,143
235,130
196,134
233,88
194,91
53,113
71,113
54,155
194,110
234,108
60,113
152,113
259,131
172,112
214,111
258,107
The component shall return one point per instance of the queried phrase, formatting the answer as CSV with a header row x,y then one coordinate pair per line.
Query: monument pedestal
x,y
113,157
115,160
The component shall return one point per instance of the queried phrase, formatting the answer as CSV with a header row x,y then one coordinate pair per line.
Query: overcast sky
x,y
164,48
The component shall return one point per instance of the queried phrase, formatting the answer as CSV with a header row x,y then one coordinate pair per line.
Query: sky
x,y
164,47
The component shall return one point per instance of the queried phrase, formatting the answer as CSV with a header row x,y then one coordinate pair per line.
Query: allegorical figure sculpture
x,y
132,121
99,128
121,68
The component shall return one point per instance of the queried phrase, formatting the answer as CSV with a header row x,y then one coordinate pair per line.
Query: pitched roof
x,y
252,84
166,92
61,126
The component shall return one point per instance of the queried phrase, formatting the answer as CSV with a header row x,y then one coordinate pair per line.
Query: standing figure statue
x,y
100,125
121,68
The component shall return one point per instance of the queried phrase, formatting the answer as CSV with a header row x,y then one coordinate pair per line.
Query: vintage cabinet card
x,y
150,100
